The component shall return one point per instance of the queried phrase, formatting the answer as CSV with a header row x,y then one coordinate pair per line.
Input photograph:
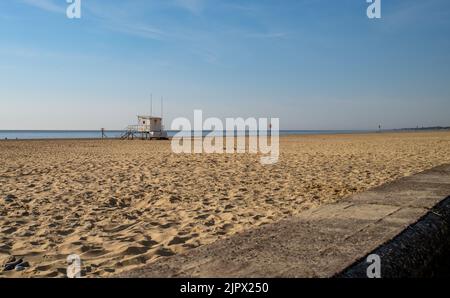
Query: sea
x,y
112,134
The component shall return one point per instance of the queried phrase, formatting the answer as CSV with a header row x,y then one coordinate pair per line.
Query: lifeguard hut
x,y
148,128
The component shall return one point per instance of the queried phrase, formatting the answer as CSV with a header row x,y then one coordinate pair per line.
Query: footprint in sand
x,y
167,225
148,243
203,216
164,252
65,232
135,250
179,240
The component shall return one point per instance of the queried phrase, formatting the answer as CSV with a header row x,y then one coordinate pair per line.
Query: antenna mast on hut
x,y
151,104
162,109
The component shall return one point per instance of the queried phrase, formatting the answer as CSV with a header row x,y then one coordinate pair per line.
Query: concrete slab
x,y
423,190
322,242
421,250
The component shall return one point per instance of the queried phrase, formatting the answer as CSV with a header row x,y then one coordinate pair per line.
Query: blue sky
x,y
315,64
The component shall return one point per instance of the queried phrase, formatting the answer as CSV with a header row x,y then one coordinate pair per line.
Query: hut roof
x,y
148,117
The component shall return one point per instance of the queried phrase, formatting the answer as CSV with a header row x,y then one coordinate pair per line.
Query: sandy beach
x,y
121,204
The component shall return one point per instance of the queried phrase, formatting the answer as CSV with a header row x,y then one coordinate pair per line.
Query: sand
x,y
121,204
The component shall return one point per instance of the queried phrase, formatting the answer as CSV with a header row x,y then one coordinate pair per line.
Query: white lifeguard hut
x,y
149,124
152,127
148,128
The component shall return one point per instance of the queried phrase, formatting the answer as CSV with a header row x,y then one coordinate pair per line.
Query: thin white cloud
x,y
117,19
112,21
269,35
406,14
193,6
28,51
47,5
138,30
